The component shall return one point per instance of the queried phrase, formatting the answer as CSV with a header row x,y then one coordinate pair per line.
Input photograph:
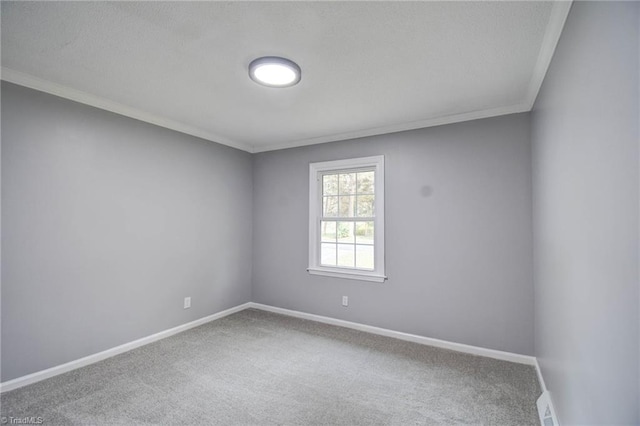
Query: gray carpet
x,y
255,367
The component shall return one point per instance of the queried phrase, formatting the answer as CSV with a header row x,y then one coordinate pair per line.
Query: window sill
x,y
355,275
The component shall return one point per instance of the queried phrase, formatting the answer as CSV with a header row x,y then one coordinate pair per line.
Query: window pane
x,y
347,183
347,206
330,206
346,255
345,232
330,185
328,254
346,218
365,182
328,231
364,257
364,232
365,206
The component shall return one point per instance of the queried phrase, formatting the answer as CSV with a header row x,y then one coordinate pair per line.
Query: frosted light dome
x,y
274,72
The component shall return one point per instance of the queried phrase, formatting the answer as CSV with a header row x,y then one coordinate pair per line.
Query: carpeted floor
x,y
255,367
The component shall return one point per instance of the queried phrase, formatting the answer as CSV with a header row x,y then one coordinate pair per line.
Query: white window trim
x,y
315,212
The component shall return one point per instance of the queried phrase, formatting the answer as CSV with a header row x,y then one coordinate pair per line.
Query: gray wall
x,y
585,149
458,234
108,223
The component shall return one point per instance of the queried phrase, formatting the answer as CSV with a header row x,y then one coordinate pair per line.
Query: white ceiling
x,y
367,67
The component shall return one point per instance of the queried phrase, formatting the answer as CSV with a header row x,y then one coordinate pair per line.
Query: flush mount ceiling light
x,y
273,71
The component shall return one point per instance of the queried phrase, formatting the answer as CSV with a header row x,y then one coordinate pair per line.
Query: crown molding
x,y
36,83
401,127
559,12
558,16
553,31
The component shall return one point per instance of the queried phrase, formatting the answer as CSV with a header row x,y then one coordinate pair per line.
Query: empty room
x,y
320,213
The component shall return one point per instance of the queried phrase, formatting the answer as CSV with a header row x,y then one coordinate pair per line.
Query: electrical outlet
x,y
187,302
345,300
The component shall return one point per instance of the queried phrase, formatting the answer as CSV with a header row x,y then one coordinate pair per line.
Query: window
x,y
346,218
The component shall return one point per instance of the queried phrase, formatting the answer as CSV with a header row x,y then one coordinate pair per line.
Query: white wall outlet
x,y
187,302
345,300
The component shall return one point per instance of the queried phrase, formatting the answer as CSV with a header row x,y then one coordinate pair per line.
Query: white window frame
x,y
315,213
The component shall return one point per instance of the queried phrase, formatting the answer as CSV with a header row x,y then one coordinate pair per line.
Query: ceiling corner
x,y
35,83
558,17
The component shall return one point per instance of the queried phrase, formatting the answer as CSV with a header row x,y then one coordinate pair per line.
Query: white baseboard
x,y
82,362
72,365
543,386
458,347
